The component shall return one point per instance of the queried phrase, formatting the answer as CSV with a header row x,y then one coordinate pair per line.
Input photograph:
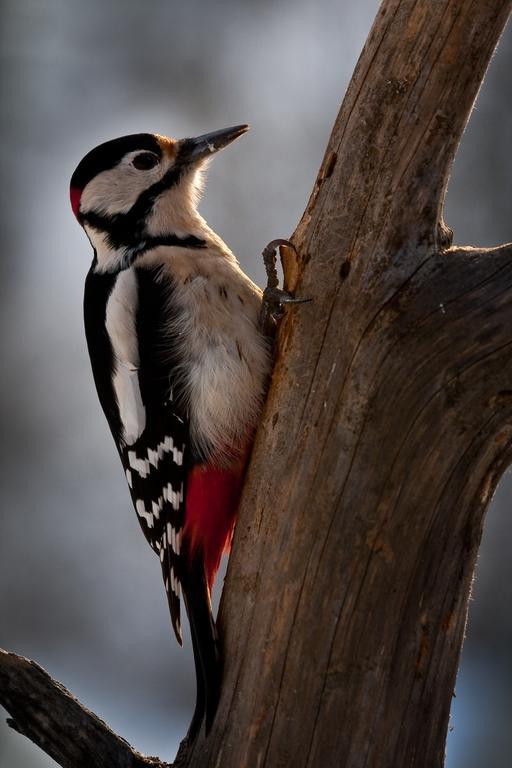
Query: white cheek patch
x,y
113,191
117,189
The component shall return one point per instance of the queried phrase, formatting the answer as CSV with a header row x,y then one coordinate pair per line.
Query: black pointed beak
x,y
209,143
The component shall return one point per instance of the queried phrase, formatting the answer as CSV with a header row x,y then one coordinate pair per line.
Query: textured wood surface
x,y
45,712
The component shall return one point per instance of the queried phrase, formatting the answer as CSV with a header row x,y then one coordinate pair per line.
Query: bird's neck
x,y
117,247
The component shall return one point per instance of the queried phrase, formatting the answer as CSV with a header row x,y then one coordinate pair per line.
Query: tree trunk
x,y
387,426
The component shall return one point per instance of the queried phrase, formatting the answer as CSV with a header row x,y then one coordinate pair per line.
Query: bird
x,y
179,360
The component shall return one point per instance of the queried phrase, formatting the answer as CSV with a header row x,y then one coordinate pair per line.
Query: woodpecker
x,y
179,361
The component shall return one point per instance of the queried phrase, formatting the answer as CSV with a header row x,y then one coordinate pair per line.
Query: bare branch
x,y
45,712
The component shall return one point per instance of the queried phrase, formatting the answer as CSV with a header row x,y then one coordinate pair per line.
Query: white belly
x,y
225,359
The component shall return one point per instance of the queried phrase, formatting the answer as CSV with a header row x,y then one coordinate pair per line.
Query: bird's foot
x,y
274,298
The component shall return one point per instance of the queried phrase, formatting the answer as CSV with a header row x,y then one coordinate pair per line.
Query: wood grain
x,y
45,712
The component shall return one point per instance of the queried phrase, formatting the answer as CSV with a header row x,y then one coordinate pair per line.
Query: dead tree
x,y
387,427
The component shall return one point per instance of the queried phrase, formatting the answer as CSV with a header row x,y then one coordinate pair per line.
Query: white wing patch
x,y
120,324
131,407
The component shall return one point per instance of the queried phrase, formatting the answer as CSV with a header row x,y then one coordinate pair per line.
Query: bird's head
x,y
140,185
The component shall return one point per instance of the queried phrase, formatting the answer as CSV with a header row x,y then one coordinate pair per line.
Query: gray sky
x,y
80,591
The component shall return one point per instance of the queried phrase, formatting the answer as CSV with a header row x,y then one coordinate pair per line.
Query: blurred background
x,y
80,591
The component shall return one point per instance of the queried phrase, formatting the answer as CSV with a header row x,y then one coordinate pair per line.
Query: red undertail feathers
x,y
212,500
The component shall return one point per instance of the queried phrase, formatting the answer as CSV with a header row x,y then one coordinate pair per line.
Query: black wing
x,y
157,455
140,387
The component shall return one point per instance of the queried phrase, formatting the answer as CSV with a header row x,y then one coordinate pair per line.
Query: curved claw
x,y
274,297
287,298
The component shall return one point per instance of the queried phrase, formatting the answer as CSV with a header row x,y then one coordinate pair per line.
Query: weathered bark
x,y
388,424
52,718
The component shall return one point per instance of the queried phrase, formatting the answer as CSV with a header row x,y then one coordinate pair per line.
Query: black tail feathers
x,y
205,646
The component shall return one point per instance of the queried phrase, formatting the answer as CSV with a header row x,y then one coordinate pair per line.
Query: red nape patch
x,y
75,194
210,510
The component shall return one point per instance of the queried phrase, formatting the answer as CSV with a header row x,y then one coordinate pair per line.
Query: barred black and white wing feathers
x,y
126,316
155,471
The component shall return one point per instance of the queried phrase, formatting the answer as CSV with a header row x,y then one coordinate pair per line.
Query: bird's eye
x,y
145,161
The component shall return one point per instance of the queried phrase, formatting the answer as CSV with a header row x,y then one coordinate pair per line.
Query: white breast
x,y
225,358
